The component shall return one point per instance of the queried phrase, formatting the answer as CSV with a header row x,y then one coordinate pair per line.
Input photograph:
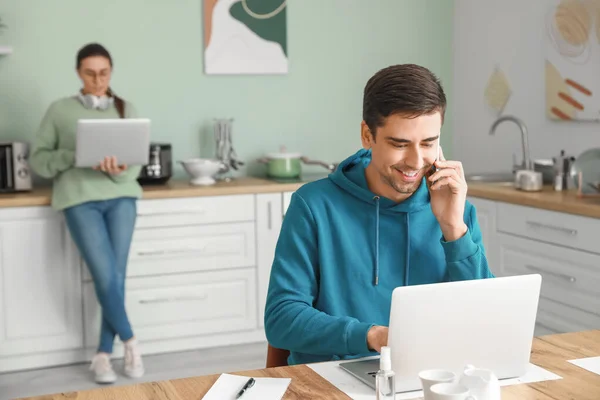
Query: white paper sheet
x,y
591,364
357,390
227,386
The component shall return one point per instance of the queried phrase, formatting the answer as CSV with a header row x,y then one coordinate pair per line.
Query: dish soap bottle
x,y
385,383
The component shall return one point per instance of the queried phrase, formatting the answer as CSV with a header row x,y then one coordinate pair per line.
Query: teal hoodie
x,y
341,252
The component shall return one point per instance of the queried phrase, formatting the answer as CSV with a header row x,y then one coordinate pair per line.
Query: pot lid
x,y
283,154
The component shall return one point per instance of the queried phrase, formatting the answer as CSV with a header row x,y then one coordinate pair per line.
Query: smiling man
x,y
385,218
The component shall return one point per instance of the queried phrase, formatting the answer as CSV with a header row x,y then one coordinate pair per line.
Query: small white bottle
x,y
558,183
385,383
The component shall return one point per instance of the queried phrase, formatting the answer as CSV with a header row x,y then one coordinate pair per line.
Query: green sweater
x,y
53,156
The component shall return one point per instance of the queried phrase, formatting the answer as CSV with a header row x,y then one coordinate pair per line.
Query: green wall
x,y
334,46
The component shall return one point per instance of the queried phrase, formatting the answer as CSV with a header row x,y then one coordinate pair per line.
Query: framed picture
x,y
572,37
245,37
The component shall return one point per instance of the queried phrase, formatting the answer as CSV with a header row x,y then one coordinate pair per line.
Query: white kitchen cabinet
x,y
193,279
570,293
558,246
556,228
486,217
40,283
191,234
195,210
177,249
269,217
182,305
192,268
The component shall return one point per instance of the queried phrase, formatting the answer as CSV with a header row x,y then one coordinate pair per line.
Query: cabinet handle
x,y
572,232
269,216
565,277
179,212
170,251
173,299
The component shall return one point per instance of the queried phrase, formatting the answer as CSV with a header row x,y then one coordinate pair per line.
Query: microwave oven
x,y
15,174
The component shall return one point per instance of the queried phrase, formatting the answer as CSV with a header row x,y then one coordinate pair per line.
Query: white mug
x,y
482,383
431,377
450,391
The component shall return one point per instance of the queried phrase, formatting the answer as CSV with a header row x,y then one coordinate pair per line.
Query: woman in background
x,y
99,203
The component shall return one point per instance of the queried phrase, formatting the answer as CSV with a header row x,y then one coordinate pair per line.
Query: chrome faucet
x,y
524,138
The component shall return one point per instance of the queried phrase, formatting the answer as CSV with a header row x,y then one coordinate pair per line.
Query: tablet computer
x,y
128,139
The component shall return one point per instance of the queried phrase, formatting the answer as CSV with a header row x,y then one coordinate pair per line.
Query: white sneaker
x,y
103,369
134,367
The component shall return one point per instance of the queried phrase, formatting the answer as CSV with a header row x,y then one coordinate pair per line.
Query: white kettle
x,y
482,383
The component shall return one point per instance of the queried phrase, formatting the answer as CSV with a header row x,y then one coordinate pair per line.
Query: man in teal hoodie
x,y
393,214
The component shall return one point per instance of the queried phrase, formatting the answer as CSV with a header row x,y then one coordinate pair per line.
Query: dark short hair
x,y
92,50
408,90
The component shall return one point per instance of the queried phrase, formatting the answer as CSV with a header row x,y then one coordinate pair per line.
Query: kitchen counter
x,y
173,189
547,199
178,188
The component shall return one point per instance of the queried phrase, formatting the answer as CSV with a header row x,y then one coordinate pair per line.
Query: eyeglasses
x,y
94,75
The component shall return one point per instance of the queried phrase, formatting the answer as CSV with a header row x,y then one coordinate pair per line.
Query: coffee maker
x,y
160,167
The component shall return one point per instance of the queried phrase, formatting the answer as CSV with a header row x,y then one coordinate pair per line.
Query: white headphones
x,y
95,102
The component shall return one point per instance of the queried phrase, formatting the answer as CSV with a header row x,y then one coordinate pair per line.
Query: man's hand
x,y
110,166
448,189
377,337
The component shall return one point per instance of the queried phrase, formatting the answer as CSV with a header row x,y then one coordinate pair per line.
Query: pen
x,y
247,386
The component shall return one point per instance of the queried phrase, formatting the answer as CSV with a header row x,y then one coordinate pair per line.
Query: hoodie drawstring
x,y
407,270
407,249
376,198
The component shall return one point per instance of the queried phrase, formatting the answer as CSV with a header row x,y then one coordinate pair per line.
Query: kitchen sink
x,y
501,178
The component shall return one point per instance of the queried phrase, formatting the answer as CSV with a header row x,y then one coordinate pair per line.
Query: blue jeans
x,y
102,231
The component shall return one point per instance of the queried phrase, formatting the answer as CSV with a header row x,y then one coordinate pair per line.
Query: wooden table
x,y
549,352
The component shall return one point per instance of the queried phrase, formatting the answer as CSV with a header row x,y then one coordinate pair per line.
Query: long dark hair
x,y
95,49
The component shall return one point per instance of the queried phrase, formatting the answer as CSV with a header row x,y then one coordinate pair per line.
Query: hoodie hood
x,y
350,176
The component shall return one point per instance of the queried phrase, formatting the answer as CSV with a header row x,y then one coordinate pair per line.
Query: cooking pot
x,y
285,165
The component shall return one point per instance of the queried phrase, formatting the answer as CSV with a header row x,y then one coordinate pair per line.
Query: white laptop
x,y
488,323
128,139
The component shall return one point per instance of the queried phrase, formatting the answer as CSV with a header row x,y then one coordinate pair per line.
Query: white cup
x,y
431,377
450,391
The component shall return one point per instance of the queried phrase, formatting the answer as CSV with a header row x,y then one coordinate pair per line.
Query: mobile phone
x,y
433,167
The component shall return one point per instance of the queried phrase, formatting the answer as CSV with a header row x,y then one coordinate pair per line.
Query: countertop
x,y
548,199
172,189
549,352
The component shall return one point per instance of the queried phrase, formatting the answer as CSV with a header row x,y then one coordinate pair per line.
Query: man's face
x,y
403,150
